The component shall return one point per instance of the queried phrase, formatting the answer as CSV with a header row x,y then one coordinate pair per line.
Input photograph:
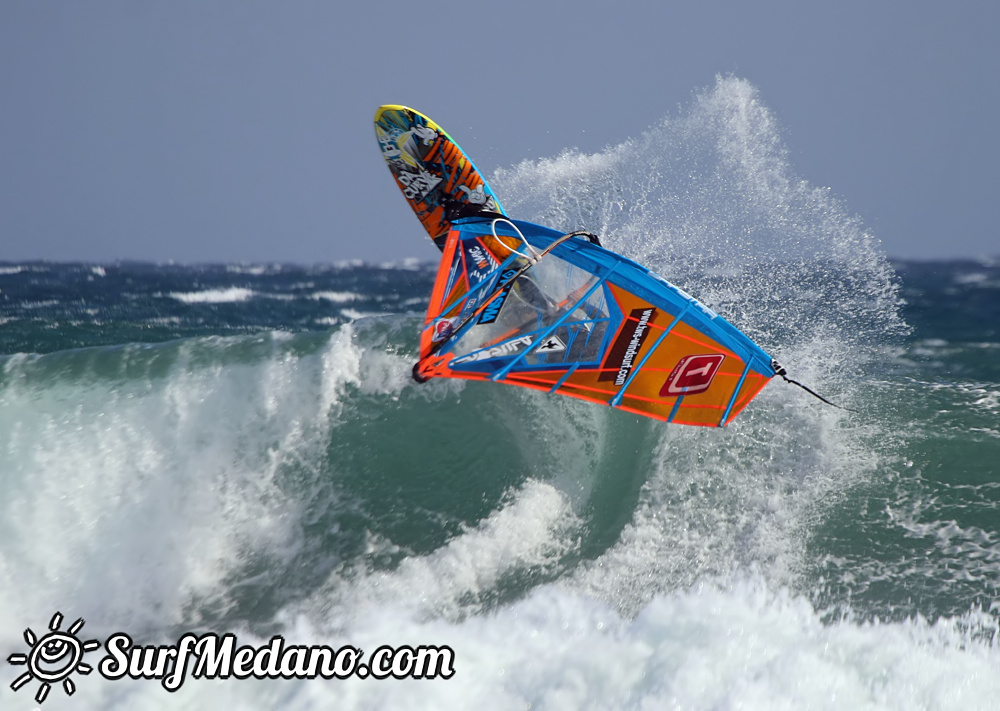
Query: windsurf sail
x,y
522,304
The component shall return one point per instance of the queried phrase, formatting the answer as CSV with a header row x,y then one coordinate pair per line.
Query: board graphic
x,y
435,176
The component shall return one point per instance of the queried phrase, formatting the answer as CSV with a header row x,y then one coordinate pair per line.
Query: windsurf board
x,y
437,179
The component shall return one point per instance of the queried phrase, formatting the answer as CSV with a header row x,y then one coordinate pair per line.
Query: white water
x,y
128,552
213,296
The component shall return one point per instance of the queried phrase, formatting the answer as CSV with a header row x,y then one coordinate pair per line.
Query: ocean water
x,y
240,448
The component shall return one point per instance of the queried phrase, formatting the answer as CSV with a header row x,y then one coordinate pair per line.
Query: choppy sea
x,y
240,448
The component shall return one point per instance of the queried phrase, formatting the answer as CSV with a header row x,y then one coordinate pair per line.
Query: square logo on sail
x,y
692,375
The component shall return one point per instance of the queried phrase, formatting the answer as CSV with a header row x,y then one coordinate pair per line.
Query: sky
x,y
241,130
